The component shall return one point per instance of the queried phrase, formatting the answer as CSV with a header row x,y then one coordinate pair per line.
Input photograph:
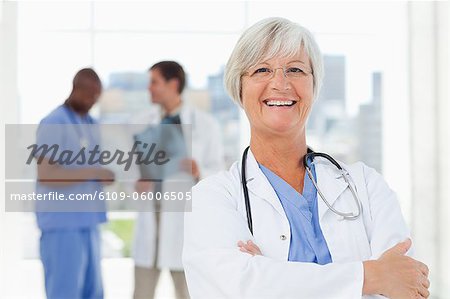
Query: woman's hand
x,y
249,247
395,275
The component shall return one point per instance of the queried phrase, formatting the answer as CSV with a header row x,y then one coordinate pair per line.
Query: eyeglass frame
x,y
305,73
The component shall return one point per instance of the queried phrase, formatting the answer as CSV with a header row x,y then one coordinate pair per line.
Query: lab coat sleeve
x,y
388,226
215,268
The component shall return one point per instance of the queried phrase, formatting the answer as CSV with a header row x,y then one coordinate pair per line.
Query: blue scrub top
x,y
68,139
307,241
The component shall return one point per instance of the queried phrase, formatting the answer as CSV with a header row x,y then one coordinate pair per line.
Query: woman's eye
x,y
295,70
262,70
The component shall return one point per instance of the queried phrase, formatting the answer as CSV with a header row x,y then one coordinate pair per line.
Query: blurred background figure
x,y
158,239
70,241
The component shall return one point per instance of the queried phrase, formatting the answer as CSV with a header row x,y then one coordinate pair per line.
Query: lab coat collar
x,y
176,111
329,180
187,122
185,111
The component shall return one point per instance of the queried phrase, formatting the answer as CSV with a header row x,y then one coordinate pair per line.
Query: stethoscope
x,y
310,155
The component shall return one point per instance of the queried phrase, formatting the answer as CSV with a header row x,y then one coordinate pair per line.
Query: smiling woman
x,y
264,233
274,40
280,97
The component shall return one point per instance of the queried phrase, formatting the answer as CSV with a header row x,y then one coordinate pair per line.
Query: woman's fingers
x,y
422,289
424,292
245,250
249,247
424,269
245,245
254,247
426,282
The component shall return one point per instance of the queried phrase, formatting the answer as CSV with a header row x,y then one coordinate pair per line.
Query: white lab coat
x,y
207,151
215,268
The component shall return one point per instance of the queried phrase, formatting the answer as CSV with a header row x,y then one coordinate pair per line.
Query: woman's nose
x,y
279,80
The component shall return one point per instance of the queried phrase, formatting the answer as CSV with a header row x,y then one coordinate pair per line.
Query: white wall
x,y
10,249
429,112
443,146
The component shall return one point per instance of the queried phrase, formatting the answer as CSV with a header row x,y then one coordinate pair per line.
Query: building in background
x,y
329,107
226,112
125,96
330,128
333,130
370,127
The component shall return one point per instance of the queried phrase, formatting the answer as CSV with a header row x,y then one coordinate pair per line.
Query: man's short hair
x,y
171,70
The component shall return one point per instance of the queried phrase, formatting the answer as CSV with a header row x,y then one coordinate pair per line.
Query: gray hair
x,y
264,40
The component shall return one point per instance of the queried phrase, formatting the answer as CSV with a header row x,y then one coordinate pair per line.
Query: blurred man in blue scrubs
x,y
70,239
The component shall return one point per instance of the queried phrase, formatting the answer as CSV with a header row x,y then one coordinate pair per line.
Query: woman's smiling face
x,y
277,94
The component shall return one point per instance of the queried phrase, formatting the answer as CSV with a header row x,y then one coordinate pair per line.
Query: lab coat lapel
x,y
258,184
330,182
185,114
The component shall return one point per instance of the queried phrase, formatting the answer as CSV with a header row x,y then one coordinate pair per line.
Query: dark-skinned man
x,y
70,238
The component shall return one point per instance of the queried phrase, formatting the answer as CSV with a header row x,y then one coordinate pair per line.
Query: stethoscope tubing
x,y
310,155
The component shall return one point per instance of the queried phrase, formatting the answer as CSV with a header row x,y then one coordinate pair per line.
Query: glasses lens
x,y
266,73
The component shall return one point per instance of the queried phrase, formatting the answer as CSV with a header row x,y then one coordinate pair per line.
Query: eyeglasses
x,y
262,74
